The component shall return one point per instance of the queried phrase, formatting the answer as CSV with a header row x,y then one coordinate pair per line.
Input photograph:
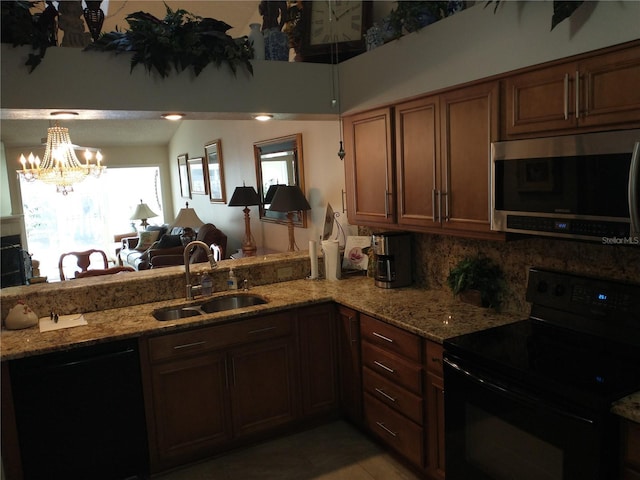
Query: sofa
x,y
158,246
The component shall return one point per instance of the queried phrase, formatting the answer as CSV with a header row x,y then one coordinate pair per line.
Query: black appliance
x,y
574,186
532,399
392,252
16,266
80,413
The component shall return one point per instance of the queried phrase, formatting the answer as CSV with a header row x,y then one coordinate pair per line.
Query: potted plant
x,y
414,15
481,275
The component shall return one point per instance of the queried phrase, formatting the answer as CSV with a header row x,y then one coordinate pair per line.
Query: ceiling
x,y
25,129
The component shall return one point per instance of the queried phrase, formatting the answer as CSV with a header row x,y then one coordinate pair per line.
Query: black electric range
x,y
549,380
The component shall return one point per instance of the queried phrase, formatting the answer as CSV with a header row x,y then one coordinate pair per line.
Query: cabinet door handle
x,y
385,395
188,345
352,323
342,199
261,330
439,206
390,432
566,96
386,339
433,205
383,366
386,203
446,206
435,359
577,94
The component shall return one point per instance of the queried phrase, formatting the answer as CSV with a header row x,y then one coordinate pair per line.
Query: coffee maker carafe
x,y
392,252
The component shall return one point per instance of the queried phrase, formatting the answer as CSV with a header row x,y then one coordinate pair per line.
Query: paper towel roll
x,y
331,249
313,258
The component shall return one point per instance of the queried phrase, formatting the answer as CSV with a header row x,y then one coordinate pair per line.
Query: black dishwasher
x,y
80,413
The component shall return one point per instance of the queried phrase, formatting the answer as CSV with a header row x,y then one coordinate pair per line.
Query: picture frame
x,y
183,175
196,175
215,171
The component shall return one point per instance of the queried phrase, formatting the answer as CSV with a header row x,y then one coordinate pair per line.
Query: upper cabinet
x,y
598,91
432,175
369,171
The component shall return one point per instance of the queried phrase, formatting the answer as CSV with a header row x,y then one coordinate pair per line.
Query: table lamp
x,y
290,199
143,212
188,220
244,197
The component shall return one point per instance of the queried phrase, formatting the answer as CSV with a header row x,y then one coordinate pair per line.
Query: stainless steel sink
x,y
231,302
176,313
218,304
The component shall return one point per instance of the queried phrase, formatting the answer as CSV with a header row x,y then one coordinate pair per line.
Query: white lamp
x,y
188,220
143,212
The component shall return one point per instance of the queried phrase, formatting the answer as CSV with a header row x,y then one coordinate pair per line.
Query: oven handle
x,y
529,400
634,179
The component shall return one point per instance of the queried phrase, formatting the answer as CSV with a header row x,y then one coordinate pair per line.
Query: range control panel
x,y
585,296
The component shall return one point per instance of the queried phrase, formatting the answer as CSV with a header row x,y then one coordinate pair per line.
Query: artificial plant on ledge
x,y
478,273
181,40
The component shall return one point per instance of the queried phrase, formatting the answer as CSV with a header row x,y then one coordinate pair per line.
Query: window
x,y
88,217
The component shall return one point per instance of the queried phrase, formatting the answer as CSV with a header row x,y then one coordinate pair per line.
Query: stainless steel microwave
x,y
583,186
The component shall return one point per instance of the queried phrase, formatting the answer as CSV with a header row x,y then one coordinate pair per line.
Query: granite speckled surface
x,y
628,407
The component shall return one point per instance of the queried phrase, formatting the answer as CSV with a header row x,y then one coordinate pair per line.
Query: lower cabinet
x,y
211,386
349,369
630,451
434,396
393,388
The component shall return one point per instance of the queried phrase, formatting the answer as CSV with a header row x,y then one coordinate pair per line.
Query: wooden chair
x,y
104,271
83,260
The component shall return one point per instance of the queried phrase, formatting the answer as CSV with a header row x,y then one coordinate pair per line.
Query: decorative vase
x,y
257,41
276,45
472,297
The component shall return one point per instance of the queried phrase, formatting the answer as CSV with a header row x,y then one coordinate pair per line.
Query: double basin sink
x,y
219,304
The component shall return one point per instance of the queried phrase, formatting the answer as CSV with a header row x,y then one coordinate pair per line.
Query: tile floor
x,y
335,451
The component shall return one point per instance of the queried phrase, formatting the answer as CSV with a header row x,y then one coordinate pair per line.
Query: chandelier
x,y
60,165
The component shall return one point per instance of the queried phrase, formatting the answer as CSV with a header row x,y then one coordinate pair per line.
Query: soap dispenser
x,y
232,282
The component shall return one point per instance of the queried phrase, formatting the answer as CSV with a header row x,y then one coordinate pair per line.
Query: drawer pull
x,y
386,339
390,432
261,330
435,359
385,394
188,345
383,366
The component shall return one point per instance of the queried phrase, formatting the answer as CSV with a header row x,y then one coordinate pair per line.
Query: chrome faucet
x,y
188,250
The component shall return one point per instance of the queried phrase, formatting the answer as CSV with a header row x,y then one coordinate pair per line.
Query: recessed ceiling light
x,y
64,115
263,117
173,116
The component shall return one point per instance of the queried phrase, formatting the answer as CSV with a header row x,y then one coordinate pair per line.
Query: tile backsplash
x,y
436,254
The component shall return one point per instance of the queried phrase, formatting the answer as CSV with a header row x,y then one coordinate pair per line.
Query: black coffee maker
x,y
392,252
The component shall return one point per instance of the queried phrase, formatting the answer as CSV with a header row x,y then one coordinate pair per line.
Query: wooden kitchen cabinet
x,y
393,387
215,385
318,359
438,179
434,398
349,369
369,171
630,451
596,91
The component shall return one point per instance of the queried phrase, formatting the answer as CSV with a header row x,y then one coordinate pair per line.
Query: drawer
x,y
398,432
433,358
391,338
203,339
392,367
394,396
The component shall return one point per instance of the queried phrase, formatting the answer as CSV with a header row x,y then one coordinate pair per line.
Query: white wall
x,y
324,174
476,43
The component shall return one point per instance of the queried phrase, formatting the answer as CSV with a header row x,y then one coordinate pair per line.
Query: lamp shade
x,y
289,198
142,212
244,196
187,217
268,198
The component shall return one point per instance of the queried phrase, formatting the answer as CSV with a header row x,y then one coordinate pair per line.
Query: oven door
x,y
496,431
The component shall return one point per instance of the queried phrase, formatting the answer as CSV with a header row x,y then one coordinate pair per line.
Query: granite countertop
x,y
432,314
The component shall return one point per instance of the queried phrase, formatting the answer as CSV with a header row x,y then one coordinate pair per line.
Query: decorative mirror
x,y
279,162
